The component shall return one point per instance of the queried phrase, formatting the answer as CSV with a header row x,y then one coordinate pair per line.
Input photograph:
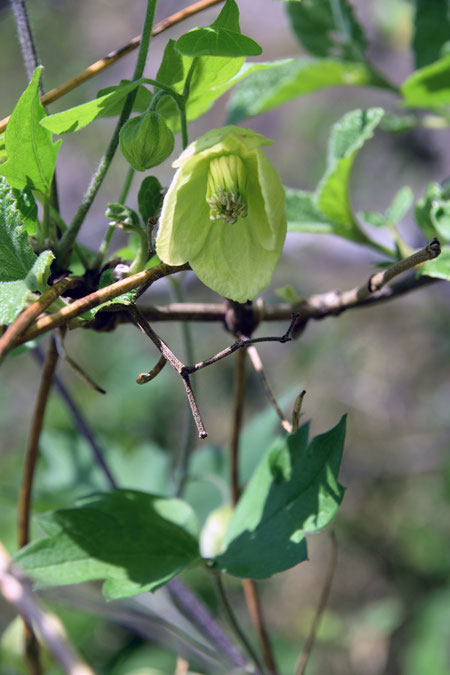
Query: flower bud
x,y
146,141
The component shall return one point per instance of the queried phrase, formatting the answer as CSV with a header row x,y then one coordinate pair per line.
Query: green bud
x,y
146,141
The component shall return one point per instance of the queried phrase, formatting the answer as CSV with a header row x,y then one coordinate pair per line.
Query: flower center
x,y
226,189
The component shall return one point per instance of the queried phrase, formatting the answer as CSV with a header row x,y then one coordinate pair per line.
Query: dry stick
x,y
175,363
24,320
26,487
306,653
112,57
78,307
258,366
16,589
250,592
316,307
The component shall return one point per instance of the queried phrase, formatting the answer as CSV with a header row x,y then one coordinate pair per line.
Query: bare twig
x,y
258,366
175,363
142,378
16,589
306,653
239,344
62,352
26,487
20,325
112,57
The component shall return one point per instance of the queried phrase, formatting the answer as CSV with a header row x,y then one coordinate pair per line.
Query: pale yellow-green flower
x,y
224,213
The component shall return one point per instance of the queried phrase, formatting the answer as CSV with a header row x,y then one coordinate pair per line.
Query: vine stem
x,y
69,236
306,653
234,622
250,591
26,487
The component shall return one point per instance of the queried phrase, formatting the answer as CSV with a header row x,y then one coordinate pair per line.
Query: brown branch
x,y
26,487
78,307
174,362
16,589
306,653
24,320
317,307
112,57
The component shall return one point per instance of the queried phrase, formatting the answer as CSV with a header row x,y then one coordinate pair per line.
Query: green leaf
x,y
439,267
222,38
74,119
303,215
150,198
212,77
289,79
217,42
431,30
141,102
327,28
3,153
21,272
133,540
332,194
26,204
293,491
433,211
16,255
30,149
429,87
400,205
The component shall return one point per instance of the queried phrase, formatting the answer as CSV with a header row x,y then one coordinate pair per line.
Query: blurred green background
x,y
387,366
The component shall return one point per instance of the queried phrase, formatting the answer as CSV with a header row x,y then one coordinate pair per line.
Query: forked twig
x,y
174,362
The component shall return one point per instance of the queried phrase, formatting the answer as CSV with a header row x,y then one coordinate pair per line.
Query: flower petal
x,y
184,221
233,263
